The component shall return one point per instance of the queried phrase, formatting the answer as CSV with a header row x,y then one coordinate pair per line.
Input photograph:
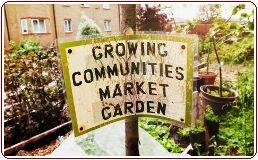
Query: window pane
x,y
35,26
65,25
107,25
41,26
24,26
106,6
68,25
85,5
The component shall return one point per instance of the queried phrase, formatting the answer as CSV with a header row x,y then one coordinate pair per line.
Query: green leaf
x,y
244,15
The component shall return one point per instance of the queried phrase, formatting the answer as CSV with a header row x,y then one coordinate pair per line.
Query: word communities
x,y
124,69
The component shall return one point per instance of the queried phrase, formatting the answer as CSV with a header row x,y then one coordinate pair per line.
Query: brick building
x,y
55,23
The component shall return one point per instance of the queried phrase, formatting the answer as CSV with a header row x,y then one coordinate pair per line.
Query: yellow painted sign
x,y
110,78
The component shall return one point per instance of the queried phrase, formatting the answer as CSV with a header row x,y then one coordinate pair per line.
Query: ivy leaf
x,y
244,15
238,8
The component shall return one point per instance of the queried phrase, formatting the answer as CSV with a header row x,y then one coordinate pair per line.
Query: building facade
x,y
56,23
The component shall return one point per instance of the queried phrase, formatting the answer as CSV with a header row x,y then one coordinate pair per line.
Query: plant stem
x,y
218,60
208,57
220,82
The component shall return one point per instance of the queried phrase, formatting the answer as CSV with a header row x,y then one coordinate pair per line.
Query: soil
x,y
229,71
205,74
216,93
45,148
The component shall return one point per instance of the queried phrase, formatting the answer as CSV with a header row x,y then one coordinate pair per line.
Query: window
x,y
106,6
107,25
85,5
24,26
38,26
68,25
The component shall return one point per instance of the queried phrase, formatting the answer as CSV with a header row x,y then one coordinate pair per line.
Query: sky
x,y
191,11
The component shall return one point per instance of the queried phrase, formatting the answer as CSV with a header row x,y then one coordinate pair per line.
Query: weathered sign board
x,y
110,78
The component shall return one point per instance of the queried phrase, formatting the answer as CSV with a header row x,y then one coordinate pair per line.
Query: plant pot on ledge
x,y
197,83
219,105
198,141
197,138
208,78
212,126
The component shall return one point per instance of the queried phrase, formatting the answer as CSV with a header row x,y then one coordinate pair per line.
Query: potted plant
x,y
184,138
208,77
197,137
219,98
211,121
198,82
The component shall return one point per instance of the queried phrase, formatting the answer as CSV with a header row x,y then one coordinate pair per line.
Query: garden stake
x,y
218,60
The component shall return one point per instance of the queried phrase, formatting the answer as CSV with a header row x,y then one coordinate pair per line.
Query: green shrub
x,y
34,91
245,88
87,28
183,132
210,116
235,40
237,52
204,46
161,133
237,127
197,128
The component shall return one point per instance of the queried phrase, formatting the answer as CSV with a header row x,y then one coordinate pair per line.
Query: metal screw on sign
x,y
183,46
70,51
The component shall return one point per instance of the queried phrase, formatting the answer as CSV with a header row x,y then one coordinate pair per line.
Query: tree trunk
x,y
128,20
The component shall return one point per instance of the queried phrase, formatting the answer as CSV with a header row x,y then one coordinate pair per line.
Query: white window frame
x,y
106,6
24,27
33,29
67,20
85,5
109,26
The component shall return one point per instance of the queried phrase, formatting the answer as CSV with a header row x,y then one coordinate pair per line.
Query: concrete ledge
x,y
108,141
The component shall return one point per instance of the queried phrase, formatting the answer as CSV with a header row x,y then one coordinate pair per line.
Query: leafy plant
x,y
198,127
183,132
160,132
235,41
34,90
210,116
216,93
245,87
237,126
204,46
87,28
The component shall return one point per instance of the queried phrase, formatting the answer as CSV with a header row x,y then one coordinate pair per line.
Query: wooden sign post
x,y
112,78
131,126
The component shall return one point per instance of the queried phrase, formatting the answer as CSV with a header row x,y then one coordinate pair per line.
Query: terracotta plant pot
x,y
197,83
219,105
208,78
198,138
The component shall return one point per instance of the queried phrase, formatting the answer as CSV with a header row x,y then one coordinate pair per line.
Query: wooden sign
x,y
110,78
